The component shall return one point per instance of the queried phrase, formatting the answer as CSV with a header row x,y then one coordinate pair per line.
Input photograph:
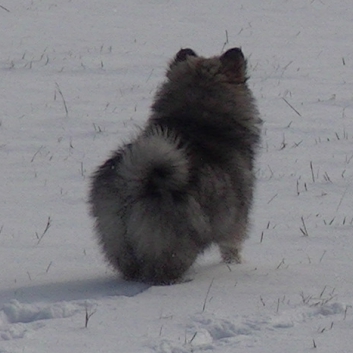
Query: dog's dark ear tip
x,y
233,54
234,65
183,54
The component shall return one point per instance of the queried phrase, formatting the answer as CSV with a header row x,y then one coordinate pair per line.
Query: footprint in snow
x,y
19,319
208,332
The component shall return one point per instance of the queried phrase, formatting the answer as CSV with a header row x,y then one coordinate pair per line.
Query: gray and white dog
x,y
187,180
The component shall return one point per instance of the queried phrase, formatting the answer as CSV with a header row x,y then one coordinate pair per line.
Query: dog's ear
x,y
183,54
234,65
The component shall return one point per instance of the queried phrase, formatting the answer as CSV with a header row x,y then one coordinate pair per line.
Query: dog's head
x,y
231,64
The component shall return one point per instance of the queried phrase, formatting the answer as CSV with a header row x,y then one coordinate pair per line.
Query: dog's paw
x,y
231,256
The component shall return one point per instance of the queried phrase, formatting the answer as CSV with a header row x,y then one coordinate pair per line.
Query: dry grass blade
x,y
343,195
208,292
226,42
88,316
4,8
45,230
291,106
63,99
304,230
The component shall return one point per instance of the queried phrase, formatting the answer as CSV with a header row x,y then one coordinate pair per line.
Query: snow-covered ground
x,y
76,78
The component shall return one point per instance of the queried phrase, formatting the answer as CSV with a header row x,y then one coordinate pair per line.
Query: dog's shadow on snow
x,y
86,289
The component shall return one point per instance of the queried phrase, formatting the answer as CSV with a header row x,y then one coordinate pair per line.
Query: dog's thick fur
x,y
187,180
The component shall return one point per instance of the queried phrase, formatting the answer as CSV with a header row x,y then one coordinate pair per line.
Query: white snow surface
x,y
77,78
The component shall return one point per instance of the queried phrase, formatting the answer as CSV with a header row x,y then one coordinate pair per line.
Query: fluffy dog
x,y
186,181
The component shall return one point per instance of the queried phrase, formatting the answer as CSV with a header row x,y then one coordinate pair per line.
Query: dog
x,y
187,180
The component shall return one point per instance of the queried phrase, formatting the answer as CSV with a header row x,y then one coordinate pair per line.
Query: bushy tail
x,y
156,163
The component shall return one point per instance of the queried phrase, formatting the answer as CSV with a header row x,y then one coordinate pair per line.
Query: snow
x,y
77,79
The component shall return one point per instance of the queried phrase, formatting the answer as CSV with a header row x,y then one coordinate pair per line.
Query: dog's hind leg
x,y
231,246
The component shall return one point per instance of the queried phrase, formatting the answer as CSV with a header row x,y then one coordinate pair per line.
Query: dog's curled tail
x,y
156,164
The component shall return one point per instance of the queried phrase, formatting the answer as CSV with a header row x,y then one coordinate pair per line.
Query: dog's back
x,y
187,180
